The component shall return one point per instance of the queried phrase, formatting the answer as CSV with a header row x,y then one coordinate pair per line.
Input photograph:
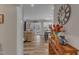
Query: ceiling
x,y
38,11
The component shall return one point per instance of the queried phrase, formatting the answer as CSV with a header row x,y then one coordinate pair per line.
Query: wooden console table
x,y
65,49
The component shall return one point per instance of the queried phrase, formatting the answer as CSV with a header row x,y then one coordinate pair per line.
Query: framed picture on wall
x,y
1,18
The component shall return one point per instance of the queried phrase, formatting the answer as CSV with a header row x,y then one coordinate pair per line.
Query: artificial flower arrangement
x,y
58,29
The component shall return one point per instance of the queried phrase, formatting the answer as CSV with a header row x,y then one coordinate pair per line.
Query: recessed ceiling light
x,y
32,5
52,8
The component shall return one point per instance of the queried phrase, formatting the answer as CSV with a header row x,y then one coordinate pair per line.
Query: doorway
x,y
35,44
34,30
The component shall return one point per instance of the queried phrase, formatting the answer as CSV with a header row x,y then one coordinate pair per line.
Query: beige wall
x,y
8,30
72,27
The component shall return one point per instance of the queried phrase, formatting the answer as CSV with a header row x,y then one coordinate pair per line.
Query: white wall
x,y
72,27
8,30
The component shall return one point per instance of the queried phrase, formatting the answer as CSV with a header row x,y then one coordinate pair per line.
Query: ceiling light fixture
x,y
32,5
52,8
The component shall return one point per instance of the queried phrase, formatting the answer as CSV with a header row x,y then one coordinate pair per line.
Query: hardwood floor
x,y
37,47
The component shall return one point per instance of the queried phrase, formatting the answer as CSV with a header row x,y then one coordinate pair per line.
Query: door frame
x,y
20,29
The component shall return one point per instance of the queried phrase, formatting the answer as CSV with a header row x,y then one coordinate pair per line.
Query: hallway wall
x,y
72,27
8,30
